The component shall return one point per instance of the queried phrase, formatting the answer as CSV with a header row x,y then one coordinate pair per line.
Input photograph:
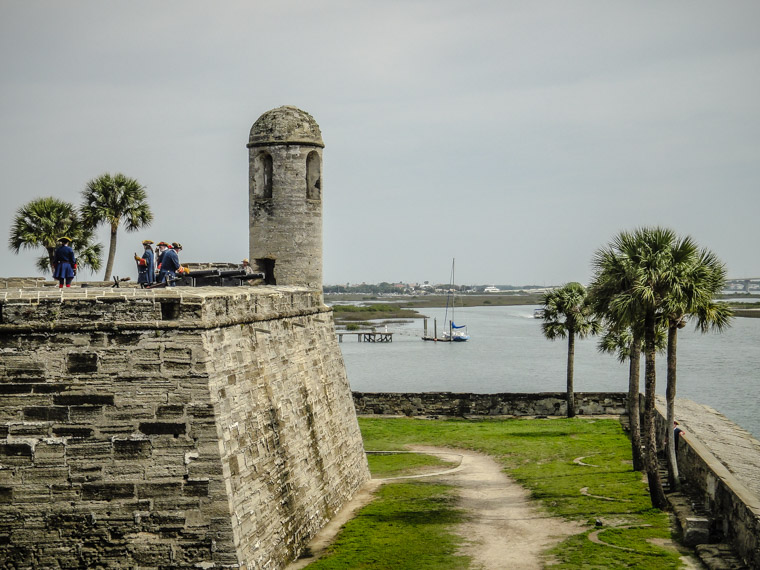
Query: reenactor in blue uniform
x,y
64,262
168,263
146,268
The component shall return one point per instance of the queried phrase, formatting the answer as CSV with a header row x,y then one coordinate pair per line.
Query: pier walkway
x,y
367,336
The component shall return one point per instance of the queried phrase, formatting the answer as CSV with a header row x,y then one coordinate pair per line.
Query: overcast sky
x,y
517,137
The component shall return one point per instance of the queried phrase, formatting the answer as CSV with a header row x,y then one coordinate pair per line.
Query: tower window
x,y
262,176
313,176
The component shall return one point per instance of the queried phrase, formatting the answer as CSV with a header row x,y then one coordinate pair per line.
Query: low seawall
x,y
503,404
171,428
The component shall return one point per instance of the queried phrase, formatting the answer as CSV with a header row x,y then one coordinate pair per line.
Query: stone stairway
x,y
696,526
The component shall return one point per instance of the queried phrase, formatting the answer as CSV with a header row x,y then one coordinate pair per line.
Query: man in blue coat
x,y
168,263
146,268
64,262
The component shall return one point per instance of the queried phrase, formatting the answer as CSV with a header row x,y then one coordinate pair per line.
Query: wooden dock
x,y
367,336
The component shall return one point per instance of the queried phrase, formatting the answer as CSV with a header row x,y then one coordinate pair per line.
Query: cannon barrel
x,y
203,273
232,273
248,276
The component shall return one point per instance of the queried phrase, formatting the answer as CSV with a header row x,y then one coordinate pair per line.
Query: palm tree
x,y
42,221
113,200
697,275
631,283
613,274
566,314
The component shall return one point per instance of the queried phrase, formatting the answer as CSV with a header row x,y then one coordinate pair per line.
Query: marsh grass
x,y
555,459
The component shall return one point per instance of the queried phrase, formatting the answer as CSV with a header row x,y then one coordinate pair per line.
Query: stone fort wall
x,y
170,427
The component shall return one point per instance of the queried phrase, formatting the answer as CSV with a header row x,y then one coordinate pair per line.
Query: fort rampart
x,y
170,428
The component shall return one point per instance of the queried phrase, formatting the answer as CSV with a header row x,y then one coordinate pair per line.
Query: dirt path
x,y
505,529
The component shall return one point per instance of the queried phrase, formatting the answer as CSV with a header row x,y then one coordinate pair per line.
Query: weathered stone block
x,y
8,450
150,490
45,475
46,413
107,491
85,414
76,432
131,449
83,399
81,363
163,428
170,411
90,450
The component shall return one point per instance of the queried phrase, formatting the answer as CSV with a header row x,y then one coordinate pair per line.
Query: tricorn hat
x,y
162,243
147,242
64,239
176,245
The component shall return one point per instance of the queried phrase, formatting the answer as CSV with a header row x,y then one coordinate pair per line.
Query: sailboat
x,y
455,333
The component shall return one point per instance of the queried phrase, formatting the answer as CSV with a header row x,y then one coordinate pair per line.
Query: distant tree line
x,y
408,289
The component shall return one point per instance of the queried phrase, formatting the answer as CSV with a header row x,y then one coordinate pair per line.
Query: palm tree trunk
x,y
656,493
111,252
51,254
670,399
570,363
634,412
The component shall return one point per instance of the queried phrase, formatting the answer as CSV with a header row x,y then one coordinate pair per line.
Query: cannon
x,y
203,273
250,276
211,278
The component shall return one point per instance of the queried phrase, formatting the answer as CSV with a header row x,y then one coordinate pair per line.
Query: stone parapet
x,y
98,308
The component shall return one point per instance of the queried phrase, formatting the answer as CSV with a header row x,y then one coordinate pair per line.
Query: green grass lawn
x,y
411,523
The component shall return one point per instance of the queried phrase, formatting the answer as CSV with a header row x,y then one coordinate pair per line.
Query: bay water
x,y
507,352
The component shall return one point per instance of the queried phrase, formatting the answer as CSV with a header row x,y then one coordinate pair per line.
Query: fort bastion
x,y
207,427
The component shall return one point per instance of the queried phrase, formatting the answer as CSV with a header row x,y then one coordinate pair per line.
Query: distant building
x,y
491,289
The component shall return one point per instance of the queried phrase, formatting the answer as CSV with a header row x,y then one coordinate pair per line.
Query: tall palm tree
x,y
614,274
631,283
114,200
697,275
566,314
39,224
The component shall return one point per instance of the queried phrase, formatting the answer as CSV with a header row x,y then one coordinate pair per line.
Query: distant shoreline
x,y
415,302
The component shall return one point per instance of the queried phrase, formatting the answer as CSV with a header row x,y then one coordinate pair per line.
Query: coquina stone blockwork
x,y
184,428
453,404
285,196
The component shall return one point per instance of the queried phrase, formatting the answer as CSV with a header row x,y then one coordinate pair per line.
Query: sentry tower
x,y
285,196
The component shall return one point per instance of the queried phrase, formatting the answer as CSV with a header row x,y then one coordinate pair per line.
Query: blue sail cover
x,y
456,327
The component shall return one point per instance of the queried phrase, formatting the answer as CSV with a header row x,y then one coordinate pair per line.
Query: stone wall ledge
x,y
111,309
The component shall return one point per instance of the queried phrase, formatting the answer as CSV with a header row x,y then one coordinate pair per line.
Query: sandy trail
x,y
504,528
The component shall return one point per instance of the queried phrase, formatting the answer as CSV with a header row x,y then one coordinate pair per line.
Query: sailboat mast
x,y
453,300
